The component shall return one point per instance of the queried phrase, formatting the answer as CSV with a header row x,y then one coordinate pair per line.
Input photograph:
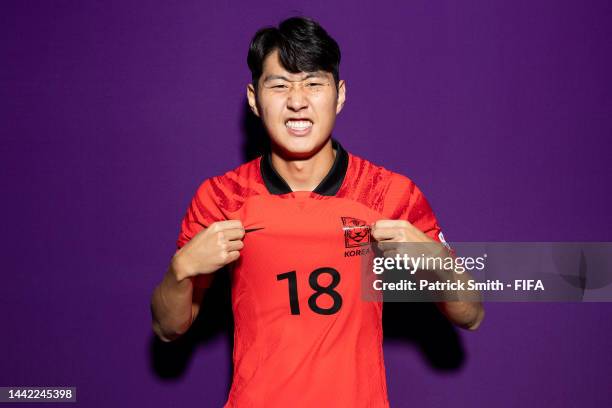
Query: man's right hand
x,y
210,250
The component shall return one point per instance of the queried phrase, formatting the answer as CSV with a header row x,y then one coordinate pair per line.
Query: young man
x,y
289,224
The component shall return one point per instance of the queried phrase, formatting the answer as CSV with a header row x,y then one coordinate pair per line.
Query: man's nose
x,y
297,100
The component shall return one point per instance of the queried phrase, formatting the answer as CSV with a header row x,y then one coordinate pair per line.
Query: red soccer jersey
x,y
303,335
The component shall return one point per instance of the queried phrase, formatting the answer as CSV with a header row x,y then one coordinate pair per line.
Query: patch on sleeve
x,y
442,240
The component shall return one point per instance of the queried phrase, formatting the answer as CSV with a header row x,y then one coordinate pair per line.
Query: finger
x,y
232,256
391,224
381,234
233,234
390,253
227,224
385,246
234,246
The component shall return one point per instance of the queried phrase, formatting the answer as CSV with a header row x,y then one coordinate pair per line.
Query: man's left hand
x,y
398,231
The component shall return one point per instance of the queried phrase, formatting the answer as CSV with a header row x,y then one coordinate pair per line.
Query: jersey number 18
x,y
319,290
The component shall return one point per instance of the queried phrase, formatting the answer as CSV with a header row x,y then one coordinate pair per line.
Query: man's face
x,y
298,110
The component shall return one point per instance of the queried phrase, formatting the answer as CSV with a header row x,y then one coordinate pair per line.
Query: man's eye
x,y
314,84
279,86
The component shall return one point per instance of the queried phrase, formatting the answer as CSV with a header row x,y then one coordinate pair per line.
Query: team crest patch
x,y
356,232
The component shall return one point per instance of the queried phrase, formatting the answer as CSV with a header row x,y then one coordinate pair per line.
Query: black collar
x,y
329,186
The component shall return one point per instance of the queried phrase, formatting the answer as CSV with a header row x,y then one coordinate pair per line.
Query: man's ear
x,y
252,98
341,96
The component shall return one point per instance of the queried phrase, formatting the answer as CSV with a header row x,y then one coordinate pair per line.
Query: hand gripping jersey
x,y
303,335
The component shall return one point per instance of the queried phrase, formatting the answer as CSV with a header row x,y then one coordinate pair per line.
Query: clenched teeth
x,y
298,124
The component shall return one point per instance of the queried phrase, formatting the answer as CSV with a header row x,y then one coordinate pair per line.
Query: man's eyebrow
x,y
310,75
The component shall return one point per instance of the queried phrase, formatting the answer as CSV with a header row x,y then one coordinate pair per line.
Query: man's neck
x,y
305,174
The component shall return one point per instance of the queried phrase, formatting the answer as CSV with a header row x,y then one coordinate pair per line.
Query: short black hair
x,y
302,44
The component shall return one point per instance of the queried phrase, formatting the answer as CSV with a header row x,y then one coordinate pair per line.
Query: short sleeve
x,y
202,211
407,202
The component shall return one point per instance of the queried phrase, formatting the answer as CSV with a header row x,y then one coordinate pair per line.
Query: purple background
x,y
113,112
